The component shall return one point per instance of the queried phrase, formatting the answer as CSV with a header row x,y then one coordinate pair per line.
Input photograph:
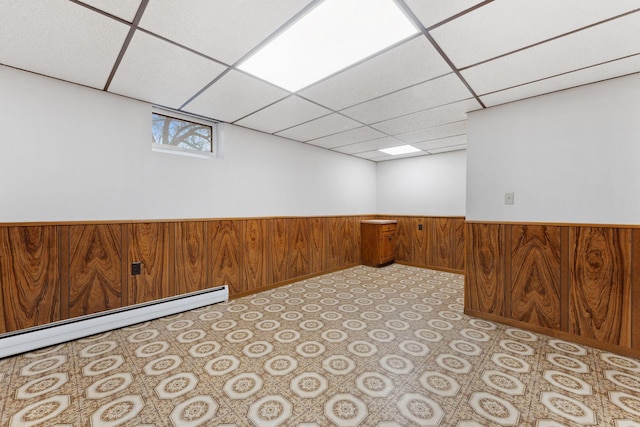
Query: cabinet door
x,y
387,246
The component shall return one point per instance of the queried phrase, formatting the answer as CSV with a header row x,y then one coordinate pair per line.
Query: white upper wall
x,y
571,156
423,186
73,153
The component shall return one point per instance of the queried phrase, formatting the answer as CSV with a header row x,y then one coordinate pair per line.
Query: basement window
x,y
179,134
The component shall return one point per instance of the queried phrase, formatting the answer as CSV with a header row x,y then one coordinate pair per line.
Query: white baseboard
x,y
66,330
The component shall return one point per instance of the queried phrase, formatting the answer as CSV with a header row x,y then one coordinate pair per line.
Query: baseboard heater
x,y
30,339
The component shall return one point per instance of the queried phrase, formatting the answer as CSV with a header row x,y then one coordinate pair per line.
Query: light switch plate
x,y
508,198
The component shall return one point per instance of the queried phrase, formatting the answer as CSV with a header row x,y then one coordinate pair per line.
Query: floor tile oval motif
x,y
205,349
102,365
503,382
396,364
280,365
39,412
98,349
362,348
420,409
483,324
141,336
511,363
40,366
494,408
569,363
334,335
568,408
428,335
224,325
267,325
110,385
42,385
180,325
191,336
516,347
292,316
345,410
308,385
521,335
222,365
567,382
381,335
309,349
440,324
374,384
243,385
257,349
453,363
176,385
621,362
193,412
623,379
354,325
162,365
625,401
270,411
568,347
239,335
251,316
311,325
331,315
118,411
152,349
465,347
338,365
286,336
439,384
414,348
475,335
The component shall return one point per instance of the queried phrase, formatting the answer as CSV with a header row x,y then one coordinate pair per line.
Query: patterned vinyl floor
x,y
360,347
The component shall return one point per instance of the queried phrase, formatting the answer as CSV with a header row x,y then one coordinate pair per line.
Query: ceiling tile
x,y
605,71
60,39
283,114
442,143
503,26
375,144
428,118
412,62
433,93
451,129
177,73
605,42
448,149
371,155
430,12
124,9
327,125
225,30
234,96
400,156
352,136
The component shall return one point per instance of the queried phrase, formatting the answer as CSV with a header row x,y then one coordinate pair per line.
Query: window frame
x,y
216,135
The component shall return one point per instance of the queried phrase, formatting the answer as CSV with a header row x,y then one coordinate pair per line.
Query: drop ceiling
x,y
468,55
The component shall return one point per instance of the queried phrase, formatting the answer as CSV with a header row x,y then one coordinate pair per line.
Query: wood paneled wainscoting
x,y
57,271
572,281
430,242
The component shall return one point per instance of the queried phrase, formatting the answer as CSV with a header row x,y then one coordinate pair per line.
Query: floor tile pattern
x,y
360,347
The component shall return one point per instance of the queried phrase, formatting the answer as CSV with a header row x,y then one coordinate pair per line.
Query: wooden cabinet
x,y
378,242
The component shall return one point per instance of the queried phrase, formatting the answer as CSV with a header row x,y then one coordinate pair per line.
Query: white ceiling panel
x,y
352,136
370,155
605,42
503,26
442,143
60,39
430,12
428,118
451,129
448,149
283,114
375,144
234,96
410,63
400,156
433,93
124,9
225,30
327,125
177,73
605,71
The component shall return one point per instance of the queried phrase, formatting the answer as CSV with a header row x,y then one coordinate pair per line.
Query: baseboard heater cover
x,y
30,339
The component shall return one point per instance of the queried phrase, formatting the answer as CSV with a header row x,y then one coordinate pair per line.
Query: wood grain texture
x,y
298,249
29,276
600,305
278,242
419,240
332,242
635,289
484,284
442,253
403,239
534,285
256,253
96,267
148,243
316,245
349,232
225,239
190,257
457,246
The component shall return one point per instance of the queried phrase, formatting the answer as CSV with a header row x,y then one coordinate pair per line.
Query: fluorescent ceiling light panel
x,y
334,35
402,149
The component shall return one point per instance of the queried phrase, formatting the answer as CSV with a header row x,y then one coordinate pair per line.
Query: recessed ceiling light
x,y
402,149
334,35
